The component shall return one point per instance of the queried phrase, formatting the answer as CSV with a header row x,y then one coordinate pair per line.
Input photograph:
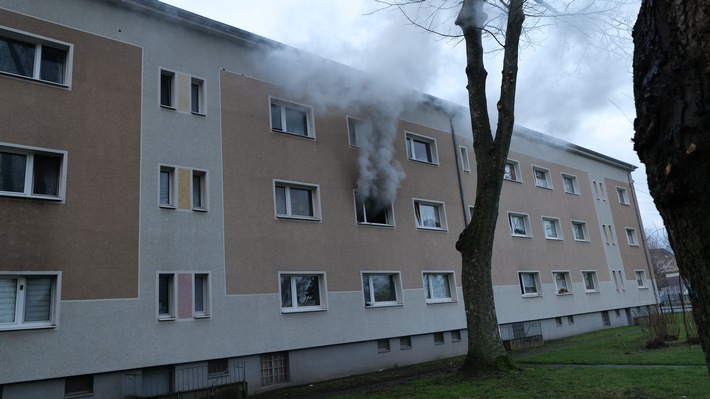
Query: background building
x,y
180,209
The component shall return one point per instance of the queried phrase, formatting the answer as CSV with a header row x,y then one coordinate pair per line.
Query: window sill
x,y
440,301
202,316
383,305
546,188
424,228
563,294
391,226
576,240
571,193
27,327
164,206
31,79
304,218
424,162
168,107
200,209
643,288
30,196
520,236
167,318
532,295
513,181
302,310
553,239
302,136
591,292
198,113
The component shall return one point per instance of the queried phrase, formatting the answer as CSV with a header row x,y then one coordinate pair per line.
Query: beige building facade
x,y
185,204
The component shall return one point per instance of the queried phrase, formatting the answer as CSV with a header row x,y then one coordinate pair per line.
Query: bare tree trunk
x,y
672,91
485,349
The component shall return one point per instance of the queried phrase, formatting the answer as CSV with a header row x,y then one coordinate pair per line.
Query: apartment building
x,y
187,205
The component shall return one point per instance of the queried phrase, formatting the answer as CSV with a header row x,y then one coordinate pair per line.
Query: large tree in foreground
x,y
672,94
501,21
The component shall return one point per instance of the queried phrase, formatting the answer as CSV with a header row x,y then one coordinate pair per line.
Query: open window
x,y
32,172
382,289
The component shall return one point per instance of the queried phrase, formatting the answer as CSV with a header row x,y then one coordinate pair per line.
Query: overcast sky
x,y
566,88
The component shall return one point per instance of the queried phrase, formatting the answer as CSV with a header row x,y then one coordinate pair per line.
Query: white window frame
x,y
623,195
558,228
595,281
39,42
429,291
171,313
20,300
546,172
631,236
283,105
618,280
640,275
172,87
526,222
199,83
371,301
608,234
202,190
575,184
465,163
172,186
560,290
585,230
410,138
441,209
362,207
314,190
206,290
295,308
29,153
515,167
536,279
353,125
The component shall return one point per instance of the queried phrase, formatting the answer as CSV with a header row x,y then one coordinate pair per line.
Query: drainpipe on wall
x,y
466,216
645,242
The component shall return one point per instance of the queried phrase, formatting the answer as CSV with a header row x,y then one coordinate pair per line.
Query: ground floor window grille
x,y
274,368
605,318
519,330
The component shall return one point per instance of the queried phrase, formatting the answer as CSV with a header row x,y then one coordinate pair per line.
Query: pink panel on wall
x,y
184,296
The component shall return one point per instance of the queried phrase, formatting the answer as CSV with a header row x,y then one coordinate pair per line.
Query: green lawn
x,y
605,364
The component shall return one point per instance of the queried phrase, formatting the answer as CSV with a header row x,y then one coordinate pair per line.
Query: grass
x,y
609,363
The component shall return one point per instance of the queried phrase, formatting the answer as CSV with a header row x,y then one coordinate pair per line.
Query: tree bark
x,y
485,349
672,94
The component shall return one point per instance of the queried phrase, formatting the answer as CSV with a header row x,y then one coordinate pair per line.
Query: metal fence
x,y
158,381
513,331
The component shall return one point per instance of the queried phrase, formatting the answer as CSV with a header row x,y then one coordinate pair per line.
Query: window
x,y
355,130
439,287
197,96
542,177
217,367
580,231
519,224
562,283
381,289
371,212
274,368
640,278
166,297
599,190
167,187
383,345
519,330
202,298
28,301
439,338
617,312
421,148
529,283
456,336
623,196
570,320
590,281
405,343
429,215
302,292
605,318
167,89
465,164
199,190
631,236
296,200
80,385
558,321
570,184
552,228
511,171
34,58
608,234
32,172
618,279
292,118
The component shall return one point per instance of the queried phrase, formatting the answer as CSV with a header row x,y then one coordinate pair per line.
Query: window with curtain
x,y
27,301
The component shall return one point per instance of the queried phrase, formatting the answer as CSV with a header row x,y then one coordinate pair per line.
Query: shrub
x,y
657,328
